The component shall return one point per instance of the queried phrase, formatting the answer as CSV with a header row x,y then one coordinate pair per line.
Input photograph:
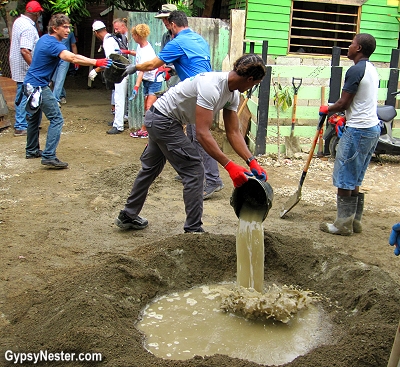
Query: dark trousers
x,y
167,141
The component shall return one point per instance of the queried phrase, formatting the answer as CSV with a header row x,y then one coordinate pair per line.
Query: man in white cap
x,y
163,14
23,41
110,45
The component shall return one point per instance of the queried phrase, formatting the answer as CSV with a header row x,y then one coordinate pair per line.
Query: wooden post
x,y
263,106
393,78
335,84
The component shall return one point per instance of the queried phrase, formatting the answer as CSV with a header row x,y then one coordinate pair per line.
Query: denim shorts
x,y
150,88
353,155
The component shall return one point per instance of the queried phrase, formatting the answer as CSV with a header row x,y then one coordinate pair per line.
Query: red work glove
x,y
323,110
76,66
103,63
163,70
239,174
258,171
125,52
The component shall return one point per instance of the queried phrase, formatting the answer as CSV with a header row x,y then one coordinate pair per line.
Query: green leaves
x,y
74,9
283,97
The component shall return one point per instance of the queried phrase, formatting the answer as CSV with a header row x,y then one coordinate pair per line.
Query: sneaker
x,y
63,100
209,190
38,154
197,231
55,163
140,134
143,134
125,222
114,131
19,132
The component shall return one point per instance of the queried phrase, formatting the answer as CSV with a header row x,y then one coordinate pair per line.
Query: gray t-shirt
x,y
208,90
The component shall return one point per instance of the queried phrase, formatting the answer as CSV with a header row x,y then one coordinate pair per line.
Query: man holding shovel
x,y
359,101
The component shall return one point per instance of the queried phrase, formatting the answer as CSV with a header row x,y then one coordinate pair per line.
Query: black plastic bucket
x,y
114,73
255,193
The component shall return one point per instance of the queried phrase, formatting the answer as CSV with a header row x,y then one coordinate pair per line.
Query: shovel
x,y
248,96
295,198
292,142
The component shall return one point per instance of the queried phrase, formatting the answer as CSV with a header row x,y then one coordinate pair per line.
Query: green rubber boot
x,y
357,226
346,210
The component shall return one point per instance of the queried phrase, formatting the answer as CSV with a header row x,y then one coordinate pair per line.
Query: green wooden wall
x,y
270,20
379,19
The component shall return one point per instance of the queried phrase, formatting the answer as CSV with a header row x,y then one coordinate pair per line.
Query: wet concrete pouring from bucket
x,y
272,327
98,308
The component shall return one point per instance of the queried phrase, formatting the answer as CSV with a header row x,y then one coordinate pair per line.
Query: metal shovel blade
x,y
293,200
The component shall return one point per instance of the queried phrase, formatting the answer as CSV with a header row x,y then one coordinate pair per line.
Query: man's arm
x,y
74,49
343,103
79,59
27,55
150,65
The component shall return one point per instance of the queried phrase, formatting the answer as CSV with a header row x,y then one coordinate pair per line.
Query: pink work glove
x,y
239,174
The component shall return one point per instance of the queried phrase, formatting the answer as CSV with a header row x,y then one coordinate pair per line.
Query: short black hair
x,y
179,18
367,43
250,65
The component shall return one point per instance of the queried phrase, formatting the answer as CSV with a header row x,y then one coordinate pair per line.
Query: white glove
x,y
92,74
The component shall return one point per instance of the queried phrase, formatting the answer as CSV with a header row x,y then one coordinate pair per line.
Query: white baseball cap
x,y
97,25
166,9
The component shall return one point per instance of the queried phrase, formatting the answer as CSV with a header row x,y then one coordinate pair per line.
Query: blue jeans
x,y
50,108
59,79
353,155
150,88
20,112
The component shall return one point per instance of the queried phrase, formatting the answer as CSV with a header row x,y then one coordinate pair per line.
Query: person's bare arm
x,y
150,65
74,49
76,58
27,55
204,119
343,103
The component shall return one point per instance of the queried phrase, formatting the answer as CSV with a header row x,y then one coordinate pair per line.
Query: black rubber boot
x,y
346,210
357,226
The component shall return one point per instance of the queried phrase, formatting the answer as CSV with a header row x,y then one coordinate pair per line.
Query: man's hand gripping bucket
x,y
257,195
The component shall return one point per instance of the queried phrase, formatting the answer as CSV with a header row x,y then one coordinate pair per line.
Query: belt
x,y
157,112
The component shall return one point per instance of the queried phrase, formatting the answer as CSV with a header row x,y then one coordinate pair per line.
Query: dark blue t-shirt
x,y
44,61
189,52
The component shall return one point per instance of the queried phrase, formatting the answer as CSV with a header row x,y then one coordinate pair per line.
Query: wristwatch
x,y
249,160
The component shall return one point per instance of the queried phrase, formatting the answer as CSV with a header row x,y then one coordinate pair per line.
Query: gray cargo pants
x,y
167,141
211,171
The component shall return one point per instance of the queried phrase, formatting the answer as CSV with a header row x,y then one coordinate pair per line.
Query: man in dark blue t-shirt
x,y
48,52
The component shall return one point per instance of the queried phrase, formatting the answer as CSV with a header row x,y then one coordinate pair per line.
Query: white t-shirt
x,y
144,54
362,80
207,90
110,45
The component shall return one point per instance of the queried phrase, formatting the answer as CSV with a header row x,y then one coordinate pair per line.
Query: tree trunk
x,y
208,8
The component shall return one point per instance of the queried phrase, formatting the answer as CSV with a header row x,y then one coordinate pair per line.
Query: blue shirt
x,y
189,52
69,41
44,61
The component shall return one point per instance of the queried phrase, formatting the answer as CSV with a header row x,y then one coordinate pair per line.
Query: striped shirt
x,y
24,35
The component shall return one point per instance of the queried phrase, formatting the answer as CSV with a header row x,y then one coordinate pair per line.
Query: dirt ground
x,y
72,281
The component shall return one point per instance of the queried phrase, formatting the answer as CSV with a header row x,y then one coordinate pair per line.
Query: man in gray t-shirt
x,y
196,101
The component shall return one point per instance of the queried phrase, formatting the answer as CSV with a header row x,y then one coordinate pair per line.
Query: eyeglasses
x,y
65,26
